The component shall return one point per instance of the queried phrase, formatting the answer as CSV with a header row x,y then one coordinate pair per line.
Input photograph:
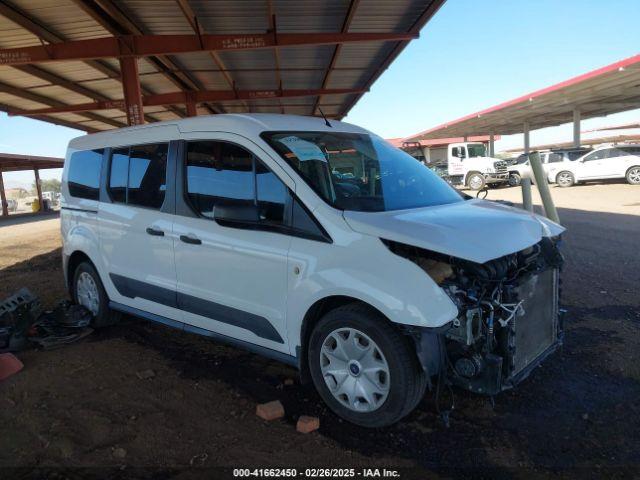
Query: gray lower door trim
x,y
132,288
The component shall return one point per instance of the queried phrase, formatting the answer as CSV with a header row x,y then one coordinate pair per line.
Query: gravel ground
x,y
578,415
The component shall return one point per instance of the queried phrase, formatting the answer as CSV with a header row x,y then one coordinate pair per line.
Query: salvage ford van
x,y
314,243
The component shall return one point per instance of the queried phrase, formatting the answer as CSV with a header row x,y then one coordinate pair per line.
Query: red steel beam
x,y
192,111
154,45
190,97
131,89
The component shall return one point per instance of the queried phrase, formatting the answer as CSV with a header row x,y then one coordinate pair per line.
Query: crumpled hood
x,y
475,230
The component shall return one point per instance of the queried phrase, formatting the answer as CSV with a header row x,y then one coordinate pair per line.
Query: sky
x,y
472,54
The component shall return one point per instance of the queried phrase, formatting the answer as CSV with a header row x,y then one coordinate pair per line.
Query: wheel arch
x,y
313,315
75,259
469,173
626,173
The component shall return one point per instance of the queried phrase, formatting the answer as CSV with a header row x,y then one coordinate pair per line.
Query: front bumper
x,y
496,177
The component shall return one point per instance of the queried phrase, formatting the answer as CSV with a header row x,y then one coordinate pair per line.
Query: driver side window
x,y
458,152
599,155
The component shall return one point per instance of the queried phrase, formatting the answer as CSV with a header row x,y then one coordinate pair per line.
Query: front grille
x,y
500,167
537,330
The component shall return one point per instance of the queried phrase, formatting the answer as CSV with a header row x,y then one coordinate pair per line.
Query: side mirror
x,y
232,212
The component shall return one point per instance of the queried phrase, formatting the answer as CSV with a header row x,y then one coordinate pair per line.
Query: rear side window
x,y
119,175
630,150
83,177
555,158
147,175
138,175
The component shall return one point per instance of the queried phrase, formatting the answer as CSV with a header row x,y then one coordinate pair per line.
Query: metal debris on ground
x,y
17,314
22,321
65,324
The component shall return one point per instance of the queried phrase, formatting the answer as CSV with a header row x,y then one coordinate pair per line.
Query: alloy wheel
x,y
564,179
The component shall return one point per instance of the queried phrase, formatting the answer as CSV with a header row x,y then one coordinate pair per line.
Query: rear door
x,y
232,277
629,157
137,231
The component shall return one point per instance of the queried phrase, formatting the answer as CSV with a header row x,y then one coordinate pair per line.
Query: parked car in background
x,y
317,244
551,161
621,161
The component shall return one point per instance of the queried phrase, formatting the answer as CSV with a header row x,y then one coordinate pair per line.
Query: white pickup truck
x,y
467,164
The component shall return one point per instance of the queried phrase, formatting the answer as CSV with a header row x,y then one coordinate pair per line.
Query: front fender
x,y
365,270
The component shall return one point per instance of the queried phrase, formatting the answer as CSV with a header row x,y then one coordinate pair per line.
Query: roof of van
x,y
247,125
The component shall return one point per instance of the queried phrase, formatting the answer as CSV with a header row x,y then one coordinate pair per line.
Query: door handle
x,y
191,240
154,232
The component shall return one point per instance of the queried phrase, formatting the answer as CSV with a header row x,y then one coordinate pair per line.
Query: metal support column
x,y
492,145
36,172
131,89
3,198
576,127
526,138
191,109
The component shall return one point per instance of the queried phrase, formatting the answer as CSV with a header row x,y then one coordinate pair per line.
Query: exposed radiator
x,y
537,330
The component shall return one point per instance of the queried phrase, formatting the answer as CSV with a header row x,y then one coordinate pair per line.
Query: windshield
x,y
476,150
361,172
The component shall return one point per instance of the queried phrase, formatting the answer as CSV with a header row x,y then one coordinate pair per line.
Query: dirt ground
x,y
578,415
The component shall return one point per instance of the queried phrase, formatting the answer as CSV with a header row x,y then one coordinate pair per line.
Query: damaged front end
x,y
508,315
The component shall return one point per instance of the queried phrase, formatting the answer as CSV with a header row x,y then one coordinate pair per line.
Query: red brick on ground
x,y
9,364
307,424
270,410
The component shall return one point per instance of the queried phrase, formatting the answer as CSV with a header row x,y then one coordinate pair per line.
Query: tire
x,y
475,181
90,296
633,175
565,179
404,382
514,179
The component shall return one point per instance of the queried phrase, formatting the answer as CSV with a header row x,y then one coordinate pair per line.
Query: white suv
x,y
622,161
319,245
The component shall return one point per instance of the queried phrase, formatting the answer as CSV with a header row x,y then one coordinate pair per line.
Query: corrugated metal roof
x,y
611,89
25,23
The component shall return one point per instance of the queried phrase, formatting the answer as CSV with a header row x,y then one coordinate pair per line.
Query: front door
x,y
232,276
136,235
594,165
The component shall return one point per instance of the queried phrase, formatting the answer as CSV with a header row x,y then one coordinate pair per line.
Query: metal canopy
x,y
10,162
611,89
100,64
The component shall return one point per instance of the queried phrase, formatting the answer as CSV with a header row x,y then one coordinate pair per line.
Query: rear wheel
x,y
363,368
565,179
475,181
88,291
633,175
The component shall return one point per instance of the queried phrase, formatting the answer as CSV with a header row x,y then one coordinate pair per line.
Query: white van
x,y
319,245
621,161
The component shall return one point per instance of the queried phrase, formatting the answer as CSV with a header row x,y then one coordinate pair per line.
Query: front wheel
x,y
514,179
633,175
475,181
88,291
565,179
363,368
